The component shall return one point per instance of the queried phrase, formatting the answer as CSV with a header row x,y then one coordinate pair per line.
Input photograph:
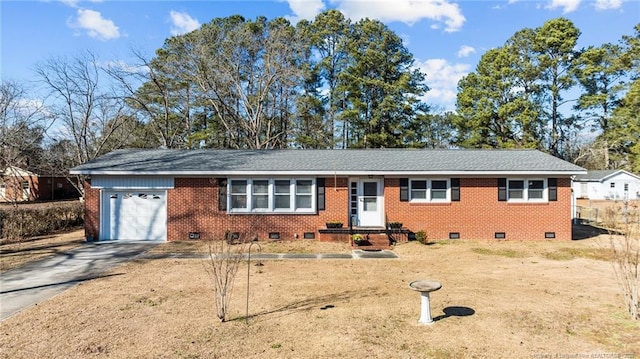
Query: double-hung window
x,y
527,190
439,190
260,195
429,190
277,195
238,194
419,190
282,195
304,194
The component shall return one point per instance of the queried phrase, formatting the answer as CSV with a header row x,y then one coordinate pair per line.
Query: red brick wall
x,y
91,212
479,214
13,188
192,206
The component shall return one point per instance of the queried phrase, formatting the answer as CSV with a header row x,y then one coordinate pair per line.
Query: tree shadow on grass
x,y
72,281
323,302
49,247
455,312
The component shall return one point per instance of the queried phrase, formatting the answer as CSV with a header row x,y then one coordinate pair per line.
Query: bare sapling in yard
x,y
222,263
624,240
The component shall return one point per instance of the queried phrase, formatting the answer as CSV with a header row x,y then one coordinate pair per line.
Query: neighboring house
x,y
607,185
19,185
467,194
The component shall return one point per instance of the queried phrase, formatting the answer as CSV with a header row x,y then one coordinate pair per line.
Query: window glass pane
x,y
282,186
238,187
516,184
303,201
418,194
516,194
438,194
418,184
260,201
536,184
283,201
439,184
238,201
261,186
535,194
370,188
370,204
303,186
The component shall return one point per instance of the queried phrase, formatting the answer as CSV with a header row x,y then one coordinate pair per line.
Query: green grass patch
x,y
565,254
509,253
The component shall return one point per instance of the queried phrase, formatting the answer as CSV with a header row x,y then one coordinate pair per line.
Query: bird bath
x,y
425,287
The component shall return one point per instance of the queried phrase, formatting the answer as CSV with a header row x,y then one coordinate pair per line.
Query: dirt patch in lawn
x,y
498,300
13,255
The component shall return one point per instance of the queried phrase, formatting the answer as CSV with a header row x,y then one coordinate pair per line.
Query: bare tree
x,y
23,123
87,115
626,250
225,254
163,102
222,265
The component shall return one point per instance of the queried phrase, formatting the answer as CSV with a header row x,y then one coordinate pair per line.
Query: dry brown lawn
x,y
16,254
542,299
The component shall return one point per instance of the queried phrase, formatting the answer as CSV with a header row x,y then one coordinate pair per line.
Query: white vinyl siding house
x,y
607,185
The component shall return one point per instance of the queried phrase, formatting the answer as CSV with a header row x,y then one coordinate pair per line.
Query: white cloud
x,y
304,9
182,23
95,25
407,11
122,65
465,51
608,4
70,3
442,79
567,5
74,3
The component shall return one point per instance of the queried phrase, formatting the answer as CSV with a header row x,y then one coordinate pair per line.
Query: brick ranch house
x,y
468,194
20,185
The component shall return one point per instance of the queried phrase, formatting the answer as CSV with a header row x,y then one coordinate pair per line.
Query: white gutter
x,y
326,173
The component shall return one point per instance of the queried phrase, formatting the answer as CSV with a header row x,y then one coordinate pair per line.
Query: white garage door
x,y
129,215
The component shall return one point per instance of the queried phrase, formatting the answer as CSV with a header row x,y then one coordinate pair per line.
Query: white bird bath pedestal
x,y
425,287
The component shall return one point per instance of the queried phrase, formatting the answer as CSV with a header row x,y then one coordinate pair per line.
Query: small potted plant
x,y
358,239
334,224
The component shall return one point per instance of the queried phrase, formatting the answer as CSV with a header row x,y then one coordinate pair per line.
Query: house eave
x,y
328,173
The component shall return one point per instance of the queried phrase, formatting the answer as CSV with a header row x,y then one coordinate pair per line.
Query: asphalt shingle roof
x,y
598,175
380,161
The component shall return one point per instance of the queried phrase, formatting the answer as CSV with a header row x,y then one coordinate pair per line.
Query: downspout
x,y
573,202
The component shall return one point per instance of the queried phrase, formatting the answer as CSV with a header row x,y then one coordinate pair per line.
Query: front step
x,y
375,242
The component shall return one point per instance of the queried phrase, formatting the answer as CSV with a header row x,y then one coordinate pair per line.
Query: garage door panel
x,y
140,215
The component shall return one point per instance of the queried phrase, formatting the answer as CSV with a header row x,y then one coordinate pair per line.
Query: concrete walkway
x,y
355,254
38,281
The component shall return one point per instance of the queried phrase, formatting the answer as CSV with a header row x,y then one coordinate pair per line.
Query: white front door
x,y
370,203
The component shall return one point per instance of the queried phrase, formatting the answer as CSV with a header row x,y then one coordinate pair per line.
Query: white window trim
x,y
271,193
525,195
429,188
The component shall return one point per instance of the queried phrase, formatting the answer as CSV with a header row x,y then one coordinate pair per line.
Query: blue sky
x,y
446,37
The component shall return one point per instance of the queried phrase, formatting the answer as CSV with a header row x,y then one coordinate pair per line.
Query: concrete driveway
x,y
37,281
